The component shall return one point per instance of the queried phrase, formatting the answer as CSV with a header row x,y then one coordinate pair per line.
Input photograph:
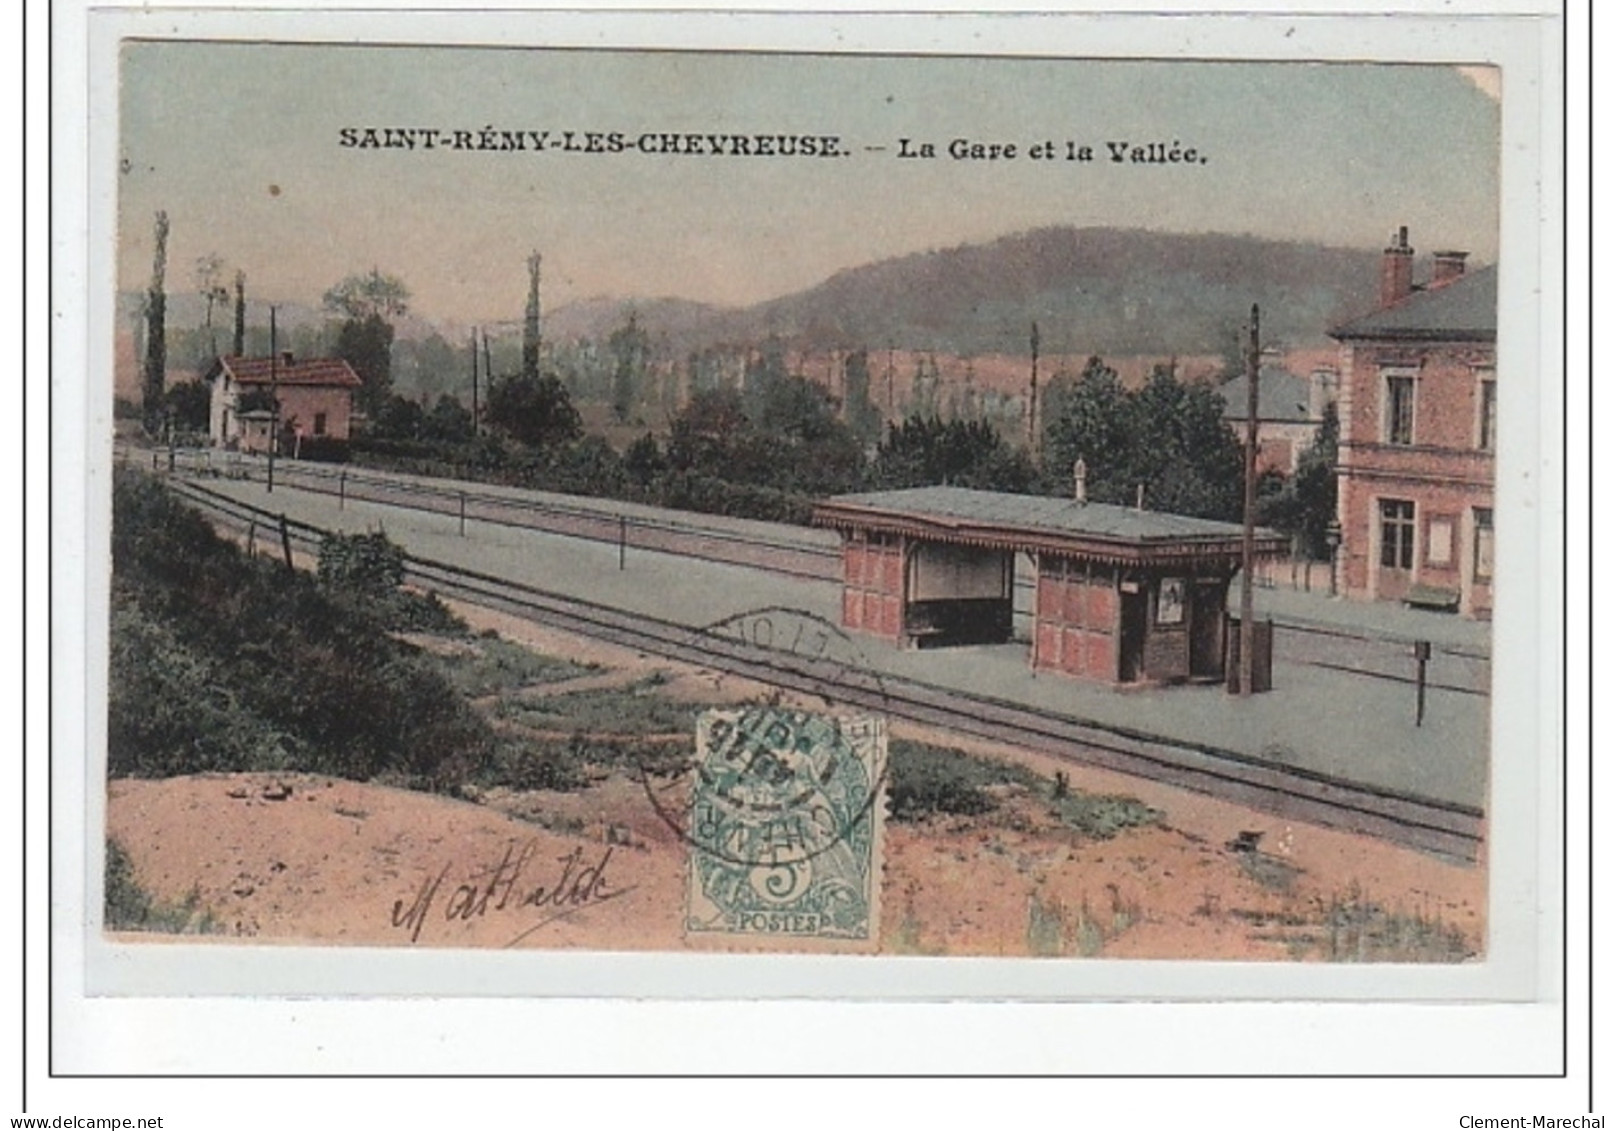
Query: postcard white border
x,y
1523,966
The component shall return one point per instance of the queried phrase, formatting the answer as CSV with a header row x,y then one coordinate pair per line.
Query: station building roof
x,y
995,519
1464,310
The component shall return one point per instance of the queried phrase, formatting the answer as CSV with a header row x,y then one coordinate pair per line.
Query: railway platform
x,y
1356,725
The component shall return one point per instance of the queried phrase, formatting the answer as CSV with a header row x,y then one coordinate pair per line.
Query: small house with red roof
x,y
314,398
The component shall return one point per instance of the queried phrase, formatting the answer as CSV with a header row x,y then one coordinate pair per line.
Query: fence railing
x,y
622,527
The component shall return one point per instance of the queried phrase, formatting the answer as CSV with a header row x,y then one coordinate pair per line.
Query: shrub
x,y
223,662
926,780
923,780
370,564
126,906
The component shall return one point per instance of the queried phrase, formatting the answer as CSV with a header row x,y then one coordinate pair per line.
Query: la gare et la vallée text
x,y
687,144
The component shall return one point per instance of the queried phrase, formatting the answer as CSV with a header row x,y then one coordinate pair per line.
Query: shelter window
x,y
319,424
1396,533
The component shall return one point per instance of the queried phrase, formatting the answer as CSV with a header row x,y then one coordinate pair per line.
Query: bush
x,y
370,564
126,906
324,449
223,662
926,780
170,712
923,780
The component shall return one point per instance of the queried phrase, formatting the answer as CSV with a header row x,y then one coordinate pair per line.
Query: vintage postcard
x,y
974,506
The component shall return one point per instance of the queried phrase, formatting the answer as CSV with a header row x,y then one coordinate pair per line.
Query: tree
x,y
862,416
188,405
449,421
629,347
1169,438
922,451
368,304
537,412
530,326
398,418
1089,418
210,285
156,368
714,436
643,461
239,345
1304,505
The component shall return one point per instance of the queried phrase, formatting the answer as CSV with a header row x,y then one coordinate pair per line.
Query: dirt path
x,y
346,862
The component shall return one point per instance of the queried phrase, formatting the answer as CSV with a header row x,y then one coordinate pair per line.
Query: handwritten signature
x,y
581,883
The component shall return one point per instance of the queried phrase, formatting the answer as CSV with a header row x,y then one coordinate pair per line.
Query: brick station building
x,y
1123,596
1418,435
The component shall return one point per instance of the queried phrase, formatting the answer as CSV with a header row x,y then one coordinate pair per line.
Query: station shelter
x,y
1122,595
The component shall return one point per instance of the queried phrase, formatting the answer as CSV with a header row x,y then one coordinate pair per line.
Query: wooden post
x,y
252,536
462,514
274,397
622,541
342,490
1421,656
286,541
1247,593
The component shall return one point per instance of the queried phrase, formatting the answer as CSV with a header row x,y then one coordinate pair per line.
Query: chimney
x,y
1449,266
1079,475
1396,270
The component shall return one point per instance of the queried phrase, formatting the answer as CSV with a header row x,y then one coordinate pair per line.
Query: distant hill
x,y
1090,289
1108,291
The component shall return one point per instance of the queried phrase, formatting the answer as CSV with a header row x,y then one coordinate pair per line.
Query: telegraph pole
x,y
1247,590
274,401
476,408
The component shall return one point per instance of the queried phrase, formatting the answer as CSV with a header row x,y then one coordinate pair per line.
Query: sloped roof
x,y
321,371
1280,396
996,518
1464,310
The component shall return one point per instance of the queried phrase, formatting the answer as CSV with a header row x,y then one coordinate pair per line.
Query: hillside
x,y
1090,289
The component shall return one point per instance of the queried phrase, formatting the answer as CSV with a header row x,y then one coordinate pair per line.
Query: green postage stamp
x,y
785,821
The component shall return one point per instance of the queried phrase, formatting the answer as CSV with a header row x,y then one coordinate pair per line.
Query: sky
x,y
242,145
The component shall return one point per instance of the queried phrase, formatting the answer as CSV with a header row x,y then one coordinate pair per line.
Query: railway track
x,y
1442,828
1459,670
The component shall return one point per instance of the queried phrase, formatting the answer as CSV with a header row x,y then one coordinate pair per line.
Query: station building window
x,y
1398,408
1483,543
1396,533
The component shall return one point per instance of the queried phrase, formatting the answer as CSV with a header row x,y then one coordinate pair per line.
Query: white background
x,y
517,1035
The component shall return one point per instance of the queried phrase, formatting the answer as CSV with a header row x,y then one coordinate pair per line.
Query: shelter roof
x,y
1038,522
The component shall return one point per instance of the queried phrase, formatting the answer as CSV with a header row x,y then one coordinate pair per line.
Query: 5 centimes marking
x,y
781,805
